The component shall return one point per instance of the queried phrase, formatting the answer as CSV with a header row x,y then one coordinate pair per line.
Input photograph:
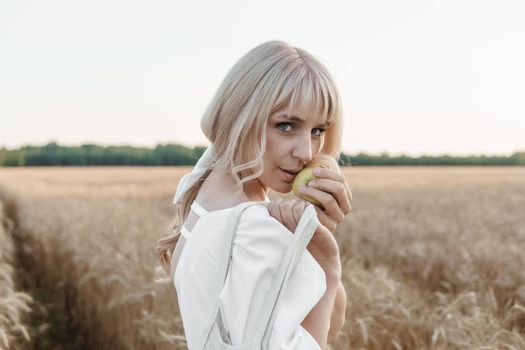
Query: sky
x,y
416,76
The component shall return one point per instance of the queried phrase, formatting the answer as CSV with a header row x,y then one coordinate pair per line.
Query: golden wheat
x,y
432,255
14,304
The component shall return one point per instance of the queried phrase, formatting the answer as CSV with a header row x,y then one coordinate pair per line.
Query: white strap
x,y
198,209
184,231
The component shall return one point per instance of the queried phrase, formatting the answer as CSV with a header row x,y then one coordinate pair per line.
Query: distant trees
x,y
173,154
90,154
383,159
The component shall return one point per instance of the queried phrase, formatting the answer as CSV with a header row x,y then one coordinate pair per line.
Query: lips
x,y
288,175
291,171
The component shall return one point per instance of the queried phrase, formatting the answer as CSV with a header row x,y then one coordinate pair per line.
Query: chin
x,y
283,187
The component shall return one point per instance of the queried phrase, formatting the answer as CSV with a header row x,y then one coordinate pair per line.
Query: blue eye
x,y
280,125
321,131
283,124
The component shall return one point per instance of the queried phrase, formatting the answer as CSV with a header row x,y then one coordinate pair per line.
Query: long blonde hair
x,y
267,79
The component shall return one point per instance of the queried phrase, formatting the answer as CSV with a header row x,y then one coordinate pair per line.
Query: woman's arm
x,y
317,322
338,317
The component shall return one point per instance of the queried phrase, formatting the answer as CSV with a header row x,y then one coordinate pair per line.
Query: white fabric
x,y
198,170
259,246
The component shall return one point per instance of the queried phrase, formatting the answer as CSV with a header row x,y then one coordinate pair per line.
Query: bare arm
x,y
324,249
317,322
338,317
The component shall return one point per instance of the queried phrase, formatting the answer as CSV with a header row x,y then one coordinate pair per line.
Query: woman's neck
x,y
220,190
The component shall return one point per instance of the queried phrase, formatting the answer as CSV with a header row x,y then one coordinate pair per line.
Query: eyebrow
x,y
299,120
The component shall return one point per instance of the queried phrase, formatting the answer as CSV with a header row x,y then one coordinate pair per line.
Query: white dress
x,y
259,246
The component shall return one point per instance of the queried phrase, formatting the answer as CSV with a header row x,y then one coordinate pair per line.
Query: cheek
x,y
278,144
273,155
272,147
271,138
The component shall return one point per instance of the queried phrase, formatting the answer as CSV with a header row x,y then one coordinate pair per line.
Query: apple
x,y
305,175
303,178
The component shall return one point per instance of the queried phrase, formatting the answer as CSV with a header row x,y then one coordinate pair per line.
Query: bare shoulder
x,y
217,193
214,199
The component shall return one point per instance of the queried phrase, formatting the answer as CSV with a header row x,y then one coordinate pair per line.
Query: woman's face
x,y
291,141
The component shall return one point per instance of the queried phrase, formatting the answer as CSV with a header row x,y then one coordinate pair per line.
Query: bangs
x,y
307,90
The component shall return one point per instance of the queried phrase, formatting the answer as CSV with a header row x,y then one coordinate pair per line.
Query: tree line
x,y
54,154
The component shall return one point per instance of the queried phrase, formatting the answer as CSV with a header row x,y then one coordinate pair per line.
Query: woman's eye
x,y
280,125
321,131
283,126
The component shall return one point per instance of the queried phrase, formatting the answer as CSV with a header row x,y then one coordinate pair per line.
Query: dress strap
x,y
195,213
198,209
184,231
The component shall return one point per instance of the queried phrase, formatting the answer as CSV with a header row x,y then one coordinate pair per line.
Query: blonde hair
x,y
270,77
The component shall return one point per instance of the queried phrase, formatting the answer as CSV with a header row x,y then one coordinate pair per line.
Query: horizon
x,y
390,154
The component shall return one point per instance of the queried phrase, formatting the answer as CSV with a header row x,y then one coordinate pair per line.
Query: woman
x,y
276,109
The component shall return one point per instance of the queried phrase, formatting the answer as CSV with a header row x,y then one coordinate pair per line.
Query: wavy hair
x,y
270,77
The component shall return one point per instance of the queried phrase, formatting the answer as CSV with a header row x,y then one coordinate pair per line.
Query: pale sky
x,y
416,77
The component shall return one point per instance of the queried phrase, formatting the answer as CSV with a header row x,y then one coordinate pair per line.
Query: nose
x,y
303,148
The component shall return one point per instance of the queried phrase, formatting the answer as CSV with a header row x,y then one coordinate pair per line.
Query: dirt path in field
x,y
45,322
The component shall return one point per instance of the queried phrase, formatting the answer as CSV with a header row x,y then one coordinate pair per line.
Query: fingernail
x,y
303,188
317,171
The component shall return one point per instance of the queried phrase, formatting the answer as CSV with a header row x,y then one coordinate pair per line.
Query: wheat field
x,y
432,257
15,305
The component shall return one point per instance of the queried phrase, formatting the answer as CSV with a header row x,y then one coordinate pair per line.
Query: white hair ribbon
x,y
190,178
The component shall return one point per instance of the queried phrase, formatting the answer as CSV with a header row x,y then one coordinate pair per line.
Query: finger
x,y
328,201
325,173
286,214
338,191
325,220
274,209
343,198
298,210
348,189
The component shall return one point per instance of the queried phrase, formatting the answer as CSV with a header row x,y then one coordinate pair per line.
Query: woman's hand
x,y
332,190
323,246
287,211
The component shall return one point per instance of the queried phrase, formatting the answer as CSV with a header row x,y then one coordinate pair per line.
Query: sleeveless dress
x,y
258,247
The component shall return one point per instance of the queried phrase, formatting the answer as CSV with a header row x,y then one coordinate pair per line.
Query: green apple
x,y
303,178
319,161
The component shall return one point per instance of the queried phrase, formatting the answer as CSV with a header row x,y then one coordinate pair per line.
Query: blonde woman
x,y
276,109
